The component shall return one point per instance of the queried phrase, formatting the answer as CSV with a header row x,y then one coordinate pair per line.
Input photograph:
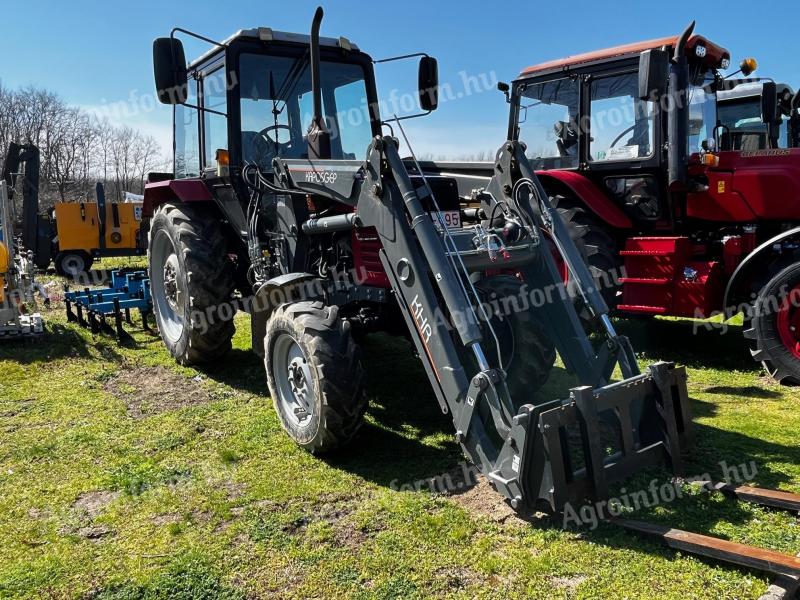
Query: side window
x,y
622,125
548,123
352,115
187,140
215,126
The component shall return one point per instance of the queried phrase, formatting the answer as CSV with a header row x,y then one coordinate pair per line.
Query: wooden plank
x,y
742,555
762,496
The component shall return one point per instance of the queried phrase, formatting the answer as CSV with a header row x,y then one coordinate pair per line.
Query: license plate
x,y
450,218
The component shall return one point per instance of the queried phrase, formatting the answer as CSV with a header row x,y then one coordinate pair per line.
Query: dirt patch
x,y
94,503
148,391
482,499
166,519
568,584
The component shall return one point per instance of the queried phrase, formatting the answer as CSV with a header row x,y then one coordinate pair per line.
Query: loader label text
x,y
423,325
321,177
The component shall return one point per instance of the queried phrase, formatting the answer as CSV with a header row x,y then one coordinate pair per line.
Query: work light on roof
x,y
725,63
700,51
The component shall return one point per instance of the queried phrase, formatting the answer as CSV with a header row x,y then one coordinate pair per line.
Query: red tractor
x,y
691,216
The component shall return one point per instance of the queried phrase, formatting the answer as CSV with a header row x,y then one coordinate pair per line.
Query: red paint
x,y
748,186
183,190
366,258
789,322
583,188
714,53
656,282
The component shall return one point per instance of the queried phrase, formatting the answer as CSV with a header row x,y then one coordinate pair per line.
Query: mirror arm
x,y
201,109
403,57
415,116
197,36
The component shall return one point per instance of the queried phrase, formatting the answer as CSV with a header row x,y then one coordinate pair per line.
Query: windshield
x,y
742,117
547,122
702,117
277,107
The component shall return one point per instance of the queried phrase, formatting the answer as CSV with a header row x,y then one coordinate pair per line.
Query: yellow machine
x,y
81,235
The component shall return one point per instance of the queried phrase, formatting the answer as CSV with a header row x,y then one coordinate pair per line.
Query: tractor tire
x,y
528,355
596,245
191,279
314,375
773,326
73,263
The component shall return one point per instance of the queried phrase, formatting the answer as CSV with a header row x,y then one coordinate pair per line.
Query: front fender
x,y
740,288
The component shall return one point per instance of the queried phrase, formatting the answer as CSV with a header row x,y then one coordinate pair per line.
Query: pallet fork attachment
x,y
526,449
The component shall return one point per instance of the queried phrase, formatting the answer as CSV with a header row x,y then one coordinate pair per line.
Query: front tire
x,y
314,375
528,355
191,282
773,327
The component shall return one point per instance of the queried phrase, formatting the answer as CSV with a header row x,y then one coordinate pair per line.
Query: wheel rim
x,y
73,265
167,287
789,322
293,381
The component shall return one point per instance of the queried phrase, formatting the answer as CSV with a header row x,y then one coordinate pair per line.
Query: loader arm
x,y
524,453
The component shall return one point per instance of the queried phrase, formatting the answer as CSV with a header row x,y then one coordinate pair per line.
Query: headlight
x,y
725,63
700,51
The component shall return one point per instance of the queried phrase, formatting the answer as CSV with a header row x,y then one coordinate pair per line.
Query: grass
x,y
207,498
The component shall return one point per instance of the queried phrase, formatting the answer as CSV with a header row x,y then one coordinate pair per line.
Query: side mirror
x,y
769,102
653,70
428,83
169,69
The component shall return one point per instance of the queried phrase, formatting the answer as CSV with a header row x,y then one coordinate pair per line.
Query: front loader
x,y
281,216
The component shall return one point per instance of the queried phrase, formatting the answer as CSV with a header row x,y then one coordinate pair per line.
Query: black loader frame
x,y
525,448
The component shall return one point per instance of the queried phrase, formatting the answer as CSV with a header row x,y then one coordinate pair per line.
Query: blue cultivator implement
x,y
93,307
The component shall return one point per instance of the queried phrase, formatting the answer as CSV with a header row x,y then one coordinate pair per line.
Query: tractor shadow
x,y
57,341
695,344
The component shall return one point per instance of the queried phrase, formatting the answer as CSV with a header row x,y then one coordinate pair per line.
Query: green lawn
x,y
123,475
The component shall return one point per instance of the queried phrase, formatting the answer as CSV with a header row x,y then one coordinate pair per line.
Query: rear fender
x,y
587,192
744,281
157,193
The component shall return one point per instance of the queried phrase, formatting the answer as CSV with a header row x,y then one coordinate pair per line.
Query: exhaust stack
x,y
319,138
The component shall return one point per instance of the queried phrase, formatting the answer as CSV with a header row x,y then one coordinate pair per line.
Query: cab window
x,y
277,107
622,125
215,126
548,123
187,136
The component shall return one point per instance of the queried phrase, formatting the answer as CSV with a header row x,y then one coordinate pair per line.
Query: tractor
x,y
289,200
678,207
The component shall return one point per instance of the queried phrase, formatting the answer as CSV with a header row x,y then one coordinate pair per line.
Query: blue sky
x,y
97,54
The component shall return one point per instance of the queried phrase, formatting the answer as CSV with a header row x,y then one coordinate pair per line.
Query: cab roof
x,y
265,34
714,54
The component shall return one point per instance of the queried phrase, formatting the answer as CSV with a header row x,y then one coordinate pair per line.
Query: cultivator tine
x,y
94,323
122,335
81,321
145,323
70,315
128,316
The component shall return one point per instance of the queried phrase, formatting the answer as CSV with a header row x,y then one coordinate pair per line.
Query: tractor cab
x,y
605,115
249,100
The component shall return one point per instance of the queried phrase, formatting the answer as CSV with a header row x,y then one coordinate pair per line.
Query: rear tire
x,y
73,263
314,375
528,354
773,327
595,244
191,277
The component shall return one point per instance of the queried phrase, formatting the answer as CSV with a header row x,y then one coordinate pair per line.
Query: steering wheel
x,y
264,133
621,135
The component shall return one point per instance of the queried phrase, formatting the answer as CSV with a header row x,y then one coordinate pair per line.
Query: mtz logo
x,y
423,325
